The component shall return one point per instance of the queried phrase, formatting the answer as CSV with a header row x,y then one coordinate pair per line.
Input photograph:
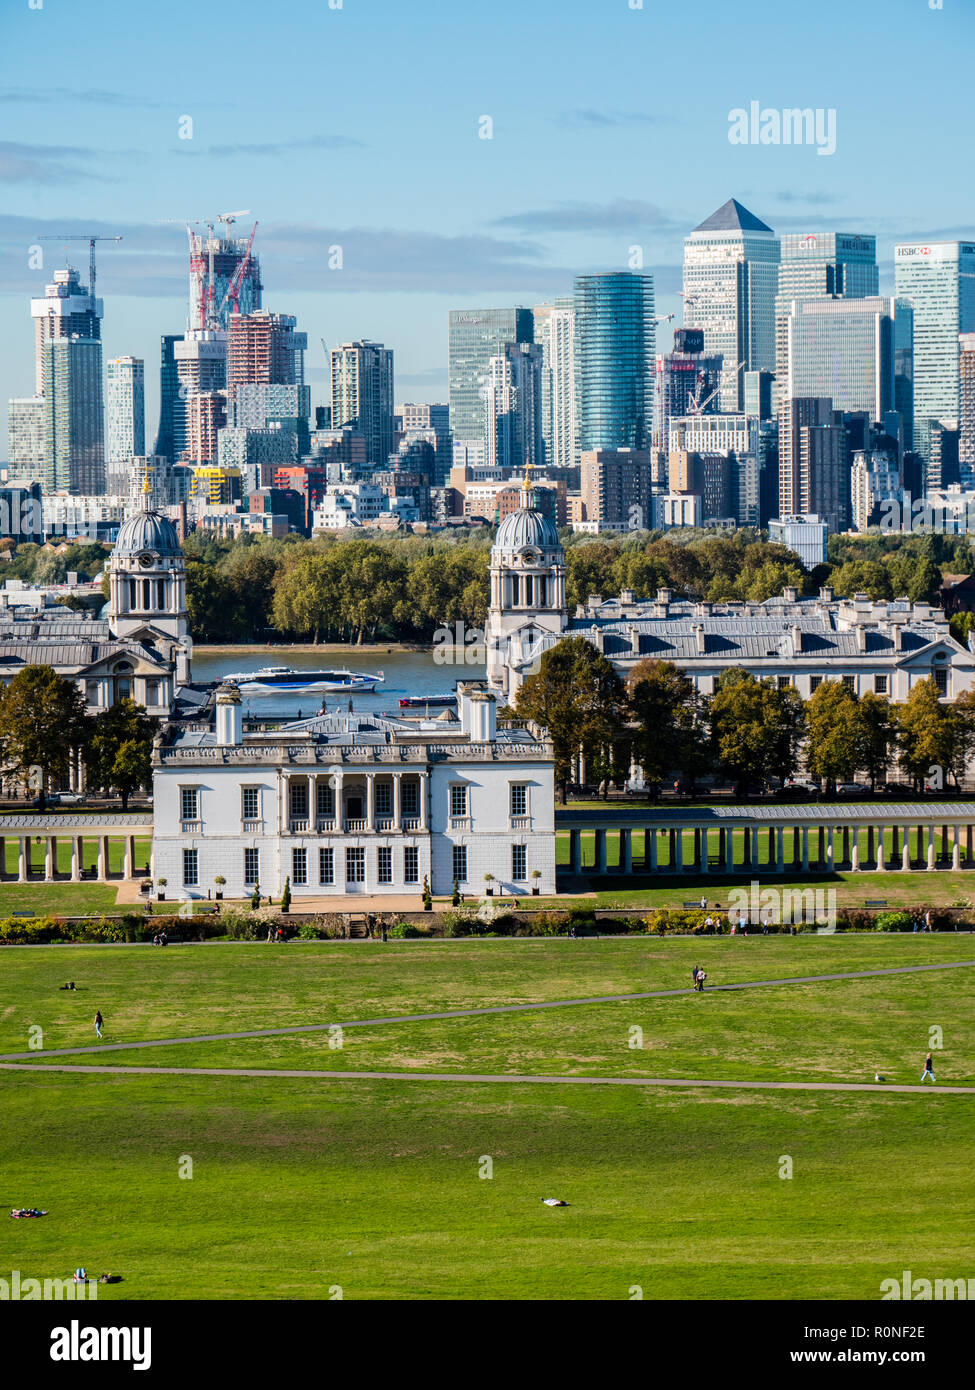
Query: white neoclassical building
x,y
347,804
881,647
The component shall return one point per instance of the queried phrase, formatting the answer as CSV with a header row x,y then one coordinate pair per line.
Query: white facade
x,y
125,399
349,504
355,804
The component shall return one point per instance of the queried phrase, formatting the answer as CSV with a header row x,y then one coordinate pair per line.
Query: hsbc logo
x,y
914,250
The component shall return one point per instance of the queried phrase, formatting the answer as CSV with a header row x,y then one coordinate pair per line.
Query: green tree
x,y
756,728
835,747
861,577
42,723
668,718
961,626
120,749
878,735
578,697
924,732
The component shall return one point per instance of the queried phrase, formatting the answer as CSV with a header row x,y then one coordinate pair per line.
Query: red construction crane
x,y
237,279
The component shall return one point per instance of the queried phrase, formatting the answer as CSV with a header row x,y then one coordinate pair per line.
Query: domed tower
x,y
527,614
147,574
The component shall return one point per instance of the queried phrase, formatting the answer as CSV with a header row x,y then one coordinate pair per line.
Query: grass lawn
x,y
57,899
898,890
300,1185
116,854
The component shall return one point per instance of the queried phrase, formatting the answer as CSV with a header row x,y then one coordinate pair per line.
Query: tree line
x,y
748,732
44,723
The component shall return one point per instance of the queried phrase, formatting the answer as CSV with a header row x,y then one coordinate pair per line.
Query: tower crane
x,y
237,279
697,407
91,239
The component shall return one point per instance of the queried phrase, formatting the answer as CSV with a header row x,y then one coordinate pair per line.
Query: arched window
x,y
123,681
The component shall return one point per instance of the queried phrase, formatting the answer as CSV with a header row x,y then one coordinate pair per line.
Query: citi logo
x,y
77,1343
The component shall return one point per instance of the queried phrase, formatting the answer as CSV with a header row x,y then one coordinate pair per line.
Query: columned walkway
x,y
71,847
772,839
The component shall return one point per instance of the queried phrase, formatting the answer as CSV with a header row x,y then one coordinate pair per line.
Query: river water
x,y
406,673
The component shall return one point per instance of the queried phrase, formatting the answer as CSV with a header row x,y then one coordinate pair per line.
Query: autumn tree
x,y
43,723
119,750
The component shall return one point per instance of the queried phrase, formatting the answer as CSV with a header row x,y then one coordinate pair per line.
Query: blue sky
x,y
358,126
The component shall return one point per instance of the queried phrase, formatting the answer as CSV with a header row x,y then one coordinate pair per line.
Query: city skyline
x,y
576,174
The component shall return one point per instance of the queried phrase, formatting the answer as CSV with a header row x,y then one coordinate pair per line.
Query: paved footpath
x,y
440,1076
474,1013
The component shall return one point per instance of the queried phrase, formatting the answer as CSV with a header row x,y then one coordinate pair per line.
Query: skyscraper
x,y
814,470
74,431
513,406
939,280
966,436
819,265
126,401
731,264
555,334
264,348
225,278
844,349
66,310
171,434
362,395
614,353
474,336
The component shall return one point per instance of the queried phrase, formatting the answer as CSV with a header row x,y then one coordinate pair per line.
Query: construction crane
x,y
201,257
667,318
697,407
237,279
81,236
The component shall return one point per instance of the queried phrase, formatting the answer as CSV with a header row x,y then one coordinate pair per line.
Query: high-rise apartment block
x,y
474,336
125,396
555,335
362,395
614,355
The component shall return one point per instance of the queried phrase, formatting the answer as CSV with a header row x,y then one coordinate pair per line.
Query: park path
x,y
464,1077
294,1029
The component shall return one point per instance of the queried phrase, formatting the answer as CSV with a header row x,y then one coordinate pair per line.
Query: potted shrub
x,y
219,881
286,895
536,875
489,879
145,886
256,897
455,895
427,895
161,885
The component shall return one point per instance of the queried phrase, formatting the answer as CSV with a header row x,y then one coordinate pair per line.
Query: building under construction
x,y
225,275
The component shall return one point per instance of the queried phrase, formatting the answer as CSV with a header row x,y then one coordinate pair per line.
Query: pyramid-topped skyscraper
x,y
731,266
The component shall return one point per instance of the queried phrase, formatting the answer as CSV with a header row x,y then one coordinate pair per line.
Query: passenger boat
x,y
422,701
284,680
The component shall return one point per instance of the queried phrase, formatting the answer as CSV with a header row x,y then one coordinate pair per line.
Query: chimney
x,y
790,593
826,593
861,638
230,721
699,634
796,638
483,717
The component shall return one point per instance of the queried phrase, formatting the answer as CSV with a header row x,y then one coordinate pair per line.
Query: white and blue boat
x,y
284,680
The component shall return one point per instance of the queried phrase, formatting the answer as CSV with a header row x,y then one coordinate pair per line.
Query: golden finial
x,y
526,485
146,485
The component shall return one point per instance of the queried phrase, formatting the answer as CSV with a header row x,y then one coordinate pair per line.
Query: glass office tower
x,y
844,349
474,336
938,278
615,348
731,269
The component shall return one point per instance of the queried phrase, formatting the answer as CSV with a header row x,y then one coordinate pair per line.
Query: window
x,y
411,864
519,799
941,680
188,803
152,692
814,683
299,798
519,863
326,866
880,685
411,798
384,799
299,866
191,867
91,692
850,682
458,799
251,803
783,682
325,800
385,864
355,865
460,863
252,866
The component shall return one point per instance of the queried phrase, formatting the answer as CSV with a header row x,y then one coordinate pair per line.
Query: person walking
x,y
99,1021
928,1069
695,971
701,977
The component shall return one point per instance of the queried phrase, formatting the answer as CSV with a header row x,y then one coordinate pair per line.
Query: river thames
x,y
406,673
